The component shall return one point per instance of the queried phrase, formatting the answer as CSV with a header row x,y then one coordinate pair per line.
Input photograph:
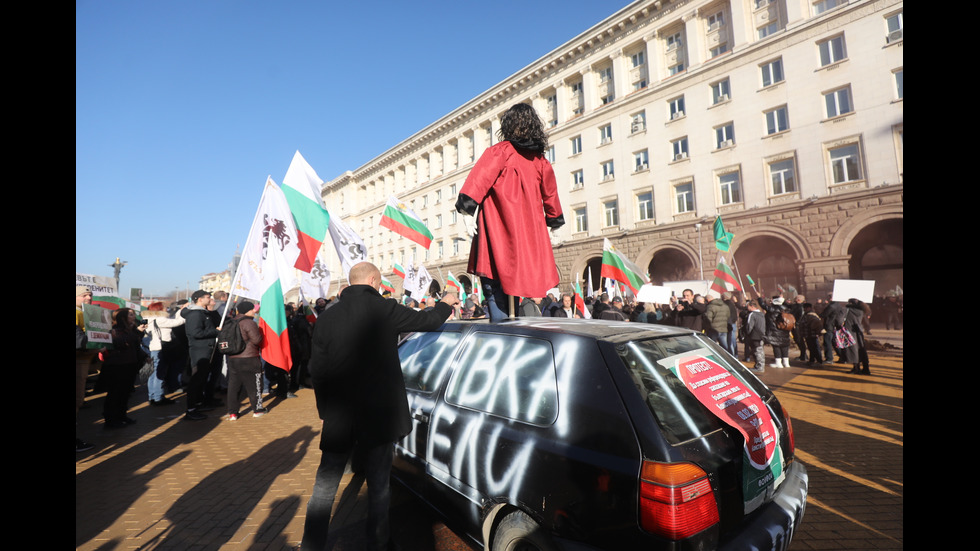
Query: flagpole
x,y
238,269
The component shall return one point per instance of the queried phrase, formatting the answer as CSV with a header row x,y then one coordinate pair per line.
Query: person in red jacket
x,y
514,187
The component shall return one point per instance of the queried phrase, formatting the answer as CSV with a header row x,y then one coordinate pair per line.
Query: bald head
x,y
364,273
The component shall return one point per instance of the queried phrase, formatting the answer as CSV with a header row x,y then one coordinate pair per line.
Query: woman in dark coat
x,y
776,337
857,353
119,368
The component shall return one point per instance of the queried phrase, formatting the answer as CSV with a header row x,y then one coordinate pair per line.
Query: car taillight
x,y
789,432
676,500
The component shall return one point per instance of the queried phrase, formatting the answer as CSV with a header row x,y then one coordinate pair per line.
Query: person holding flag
x,y
514,187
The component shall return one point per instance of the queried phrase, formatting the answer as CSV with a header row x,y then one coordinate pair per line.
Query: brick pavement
x,y
165,483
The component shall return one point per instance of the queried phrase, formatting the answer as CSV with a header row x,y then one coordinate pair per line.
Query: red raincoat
x,y
518,199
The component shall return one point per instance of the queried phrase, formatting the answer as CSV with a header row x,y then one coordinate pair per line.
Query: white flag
x,y
417,281
272,229
350,247
316,283
589,291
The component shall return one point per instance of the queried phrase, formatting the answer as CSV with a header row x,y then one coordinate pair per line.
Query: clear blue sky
x,y
183,108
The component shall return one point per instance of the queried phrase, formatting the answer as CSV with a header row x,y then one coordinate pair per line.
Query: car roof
x,y
595,329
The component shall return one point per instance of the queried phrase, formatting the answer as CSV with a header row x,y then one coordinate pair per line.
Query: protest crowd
x,y
211,351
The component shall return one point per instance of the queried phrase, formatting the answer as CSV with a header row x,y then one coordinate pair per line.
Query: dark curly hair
x,y
521,126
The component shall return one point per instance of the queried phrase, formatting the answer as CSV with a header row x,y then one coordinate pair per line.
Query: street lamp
x,y
700,259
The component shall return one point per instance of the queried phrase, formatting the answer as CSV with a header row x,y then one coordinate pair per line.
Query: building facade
x,y
785,117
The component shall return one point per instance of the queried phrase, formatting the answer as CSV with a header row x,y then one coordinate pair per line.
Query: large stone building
x,y
785,117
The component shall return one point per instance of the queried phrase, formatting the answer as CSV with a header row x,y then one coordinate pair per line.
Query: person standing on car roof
x,y
514,187
360,396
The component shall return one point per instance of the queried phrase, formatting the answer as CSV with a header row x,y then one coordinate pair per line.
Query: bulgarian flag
x,y
402,220
580,302
399,270
386,285
302,188
616,266
725,279
451,281
267,269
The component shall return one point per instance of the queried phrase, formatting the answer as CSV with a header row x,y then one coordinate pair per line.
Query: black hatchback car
x,y
546,433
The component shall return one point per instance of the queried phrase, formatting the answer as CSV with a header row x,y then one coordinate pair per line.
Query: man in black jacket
x,y
201,337
360,395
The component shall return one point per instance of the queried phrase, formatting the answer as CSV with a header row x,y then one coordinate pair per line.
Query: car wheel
x,y
519,532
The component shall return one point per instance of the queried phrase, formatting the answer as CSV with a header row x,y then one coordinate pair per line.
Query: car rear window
x,y
425,358
680,414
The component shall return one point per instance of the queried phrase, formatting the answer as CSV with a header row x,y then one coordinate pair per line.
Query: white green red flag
x,y
400,219
399,270
616,266
453,284
580,302
386,285
301,187
267,270
724,279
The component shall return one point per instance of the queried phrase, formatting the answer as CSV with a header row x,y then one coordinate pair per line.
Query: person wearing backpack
x,y
778,327
245,367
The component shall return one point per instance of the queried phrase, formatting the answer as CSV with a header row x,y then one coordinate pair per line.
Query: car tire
x,y
518,532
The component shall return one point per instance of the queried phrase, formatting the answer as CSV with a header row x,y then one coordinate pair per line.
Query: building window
x,y
551,110
716,21
638,59
576,145
674,69
895,27
821,6
845,163
731,191
581,220
767,30
673,41
641,161
782,174
725,135
772,72
577,99
606,89
831,50
610,210
638,73
605,134
679,148
720,92
607,170
550,154
644,206
838,102
675,108
777,120
455,247
899,93
578,180
638,122
684,197
452,217
438,196
717,50
438,221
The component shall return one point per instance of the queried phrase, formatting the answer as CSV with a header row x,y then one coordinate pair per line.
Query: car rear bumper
x,y
773,526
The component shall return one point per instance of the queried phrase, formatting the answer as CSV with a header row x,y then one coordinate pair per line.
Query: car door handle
x,y
419,416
